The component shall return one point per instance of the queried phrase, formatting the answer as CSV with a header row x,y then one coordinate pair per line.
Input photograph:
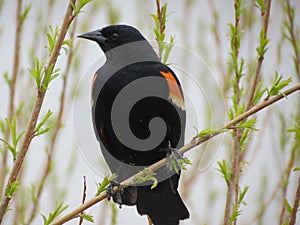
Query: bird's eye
x,y
114,36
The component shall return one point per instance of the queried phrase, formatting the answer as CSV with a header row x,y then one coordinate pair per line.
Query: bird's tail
x,y
162,204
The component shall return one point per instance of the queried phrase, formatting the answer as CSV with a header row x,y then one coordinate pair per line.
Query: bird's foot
x,y
175,159
116,195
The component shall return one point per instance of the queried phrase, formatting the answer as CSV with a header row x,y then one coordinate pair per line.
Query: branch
x,y
216,33
261,210
16,59
193,143
12,88
159,15
57,127
293,38
260,58
233,183
36,111
285,178
83,198
296,204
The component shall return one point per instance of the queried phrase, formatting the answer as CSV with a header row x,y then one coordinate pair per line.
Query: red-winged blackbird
x,y
139,115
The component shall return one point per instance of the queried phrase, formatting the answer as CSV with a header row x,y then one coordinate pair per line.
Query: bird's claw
x,y
116,195
173,155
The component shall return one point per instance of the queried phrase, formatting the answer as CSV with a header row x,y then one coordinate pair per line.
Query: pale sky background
x,y
199,75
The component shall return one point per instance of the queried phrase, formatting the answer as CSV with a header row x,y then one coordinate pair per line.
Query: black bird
x,y
139,117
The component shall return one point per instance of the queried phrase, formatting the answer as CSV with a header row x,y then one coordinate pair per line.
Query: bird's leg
x,y
116,195
174,157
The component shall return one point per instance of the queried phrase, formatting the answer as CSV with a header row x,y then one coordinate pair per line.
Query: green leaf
x,y
242,196
25,13
38,129
68,43
114,215
184,162
7,79
73,5
236,109
2,126
296,169
87,217
106,181
241,69
160,19
263,42
209,132
52,37
37,73
278,84
235,214
261,5
224,170
206,132
244,137
287,206
12,125
258,93
12,189
148,175
50,75
59,209
80,4
174,166
10,147
250,124
164,13
1,4
178,164
294,130
19,108
156,21
168,49
236,209
32,190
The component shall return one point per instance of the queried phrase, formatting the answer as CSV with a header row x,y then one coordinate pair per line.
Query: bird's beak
x,y
95,35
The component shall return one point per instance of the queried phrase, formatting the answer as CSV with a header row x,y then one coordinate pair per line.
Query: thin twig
x,y
216,33
57,127
264,205
162,27
295,44
12,88
285,179
193,143
296,204
20,207
159,15
83,197
260,138
235,169
232,185
293,38
16,64
261,58
29,135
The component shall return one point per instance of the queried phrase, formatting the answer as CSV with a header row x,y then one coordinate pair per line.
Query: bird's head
x,y
113,36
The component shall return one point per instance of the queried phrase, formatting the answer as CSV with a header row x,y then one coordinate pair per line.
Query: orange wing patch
x,y
175,93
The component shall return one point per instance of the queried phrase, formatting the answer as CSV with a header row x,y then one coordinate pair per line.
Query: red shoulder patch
x,y
175,93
